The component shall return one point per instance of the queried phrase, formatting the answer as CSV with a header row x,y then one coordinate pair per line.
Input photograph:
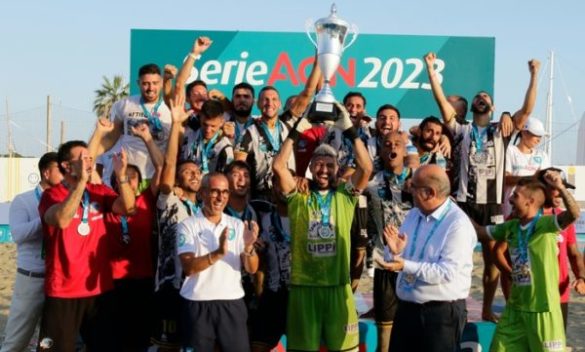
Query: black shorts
x,y
64,319
206,323
166,331
483,214
133,315
269,324
359,226
385,299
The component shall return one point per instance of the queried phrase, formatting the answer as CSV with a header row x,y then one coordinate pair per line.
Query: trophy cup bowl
x,y
331,33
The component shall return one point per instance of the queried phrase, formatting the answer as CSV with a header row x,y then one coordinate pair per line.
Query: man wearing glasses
x,y
213,247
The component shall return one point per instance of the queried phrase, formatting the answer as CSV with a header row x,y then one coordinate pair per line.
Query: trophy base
x,y
323,113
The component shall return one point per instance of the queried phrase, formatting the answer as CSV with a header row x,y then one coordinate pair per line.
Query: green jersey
x,y
320,250
535,272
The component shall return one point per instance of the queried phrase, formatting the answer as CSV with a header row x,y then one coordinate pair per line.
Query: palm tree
x,y
108,94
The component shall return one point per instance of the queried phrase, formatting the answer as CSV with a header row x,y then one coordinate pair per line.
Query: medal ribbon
x,y
523,239
153,119
192,207
433,229
388,176
205,149
477,137
246,215
324,204
125,229
274,142
243,129
38,193
85,204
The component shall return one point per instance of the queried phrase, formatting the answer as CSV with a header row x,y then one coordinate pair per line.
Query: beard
x,y
428,145
482,107
242,112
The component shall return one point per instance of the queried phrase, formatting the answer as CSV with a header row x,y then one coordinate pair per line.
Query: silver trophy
x,y
331,33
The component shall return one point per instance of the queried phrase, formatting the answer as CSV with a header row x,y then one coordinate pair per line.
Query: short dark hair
x,y
267,88
237,164
354,94
431,119
183,162
387,107
243,85
64,152
152,69
211,109
194,84
463,101
46,160
534,187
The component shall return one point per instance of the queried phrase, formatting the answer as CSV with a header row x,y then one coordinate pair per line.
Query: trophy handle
x,y
309,27
354,32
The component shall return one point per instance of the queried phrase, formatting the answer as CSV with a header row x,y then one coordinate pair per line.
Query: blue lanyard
x,y
324,204
246,215
38,193
279,229
435,226
192,208
399,179
125,229
523,240
246,125
274,142
85,203
153,119
205,149
477,137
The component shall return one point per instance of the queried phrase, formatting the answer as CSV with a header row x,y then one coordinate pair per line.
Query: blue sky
x,y
63,48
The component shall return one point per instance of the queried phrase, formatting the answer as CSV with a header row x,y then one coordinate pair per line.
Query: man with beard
x,y
78,279
196,91
208,146
387,121
262,141
532,318
242,103
430,132
388,203
213,248
177,201
147,108
481,169
355,103
320,302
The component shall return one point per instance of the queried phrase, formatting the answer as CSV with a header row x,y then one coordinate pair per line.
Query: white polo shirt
x,y
223,279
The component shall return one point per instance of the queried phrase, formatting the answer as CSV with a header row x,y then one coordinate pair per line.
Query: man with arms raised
x,y
78,268
213,247
481,169
320,302
262,141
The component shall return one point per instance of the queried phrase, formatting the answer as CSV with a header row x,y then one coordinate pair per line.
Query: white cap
x,y
535,127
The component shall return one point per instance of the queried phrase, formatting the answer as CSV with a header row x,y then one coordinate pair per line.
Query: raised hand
x,y
120,162
533,66
216,94
506,124
430,59
250,233
142,131
200,45
395,241
170,72
82,168
178,113
554,179
104,125
444,146
229,129
223,242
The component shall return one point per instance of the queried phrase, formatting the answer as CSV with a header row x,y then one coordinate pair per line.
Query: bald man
x,y
433,253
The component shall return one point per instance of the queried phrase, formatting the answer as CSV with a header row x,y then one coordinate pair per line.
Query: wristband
x,y
195,57
122,180
251,253
209,258
351,134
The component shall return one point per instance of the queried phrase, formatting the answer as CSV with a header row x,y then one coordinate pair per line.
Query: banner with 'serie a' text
x,y
386,69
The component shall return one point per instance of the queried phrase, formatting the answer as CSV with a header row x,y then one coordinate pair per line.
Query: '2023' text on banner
x,y
387,69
